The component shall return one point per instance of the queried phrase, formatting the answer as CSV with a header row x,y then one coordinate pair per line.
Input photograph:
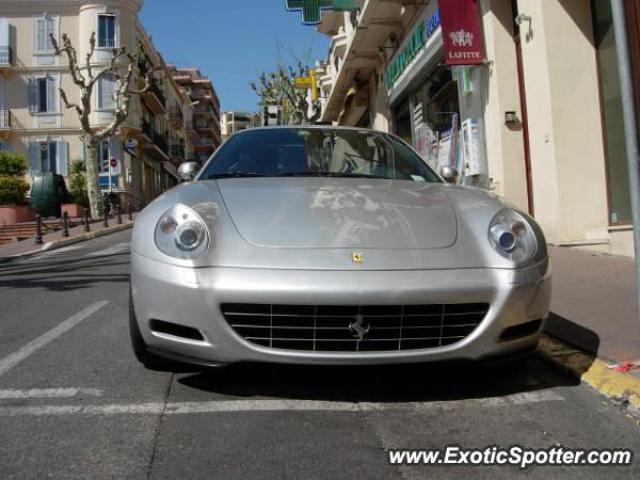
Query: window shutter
x,y
51,95
34,158
61,161
41,34
33,95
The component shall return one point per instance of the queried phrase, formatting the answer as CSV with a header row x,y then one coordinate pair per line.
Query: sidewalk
x,y
594,303
56,240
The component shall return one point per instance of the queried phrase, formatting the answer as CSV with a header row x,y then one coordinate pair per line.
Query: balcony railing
x,y
157,138
6,119
6,56
157,91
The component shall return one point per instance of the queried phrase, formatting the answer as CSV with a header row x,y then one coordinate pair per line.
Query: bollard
x,y
118,215
65,224
85,215
38,230
105,220
130,214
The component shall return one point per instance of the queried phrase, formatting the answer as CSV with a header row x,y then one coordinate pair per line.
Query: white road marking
x,y
243,406
113,250
10,361
58,251
50,393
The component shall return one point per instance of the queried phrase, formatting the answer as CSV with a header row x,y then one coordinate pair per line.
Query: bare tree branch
x,y
71,54
92,48
68,105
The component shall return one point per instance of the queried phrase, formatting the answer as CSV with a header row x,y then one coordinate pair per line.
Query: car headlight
x,y
512,236
181,233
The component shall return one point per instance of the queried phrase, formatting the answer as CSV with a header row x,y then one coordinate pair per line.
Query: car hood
x,y
352,213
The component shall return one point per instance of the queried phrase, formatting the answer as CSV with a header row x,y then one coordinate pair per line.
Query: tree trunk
x,y
93,182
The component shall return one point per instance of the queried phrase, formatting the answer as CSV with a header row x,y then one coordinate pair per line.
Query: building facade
x,y
539,122
204,124
233,122
33,121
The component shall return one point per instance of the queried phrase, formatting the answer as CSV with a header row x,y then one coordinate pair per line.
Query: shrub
x,y
12,164
13,190
78,183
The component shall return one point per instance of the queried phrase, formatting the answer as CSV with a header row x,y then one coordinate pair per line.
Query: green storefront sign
x,y
311,9
421,34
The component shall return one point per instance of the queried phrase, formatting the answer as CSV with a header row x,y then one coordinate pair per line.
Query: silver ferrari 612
x,y
329,245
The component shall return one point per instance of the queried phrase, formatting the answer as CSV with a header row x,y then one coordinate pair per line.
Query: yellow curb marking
x,y
592,371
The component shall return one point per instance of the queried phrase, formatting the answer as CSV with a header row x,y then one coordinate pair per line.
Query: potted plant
x,y
77,189
13,188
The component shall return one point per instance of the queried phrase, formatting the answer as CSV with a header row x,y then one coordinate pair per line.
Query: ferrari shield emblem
x,y
356,257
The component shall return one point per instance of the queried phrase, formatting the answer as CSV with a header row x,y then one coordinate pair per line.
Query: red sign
x,y
113,162
461,32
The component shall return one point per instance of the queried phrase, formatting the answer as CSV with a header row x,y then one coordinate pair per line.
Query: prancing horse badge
x,y
356,257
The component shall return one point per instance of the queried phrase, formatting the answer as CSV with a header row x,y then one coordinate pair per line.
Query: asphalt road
x,y
75,404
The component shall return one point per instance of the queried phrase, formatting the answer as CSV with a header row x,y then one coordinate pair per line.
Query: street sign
x,y
303,82
113,163
310,82
131,144
311,8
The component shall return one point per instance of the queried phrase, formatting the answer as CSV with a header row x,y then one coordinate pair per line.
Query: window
x,y
42,95
48,156
104,155
106,31
45,27
615,148
319,152
106,86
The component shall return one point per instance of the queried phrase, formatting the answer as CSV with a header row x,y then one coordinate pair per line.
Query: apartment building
x,y
34,122
537,121
233,122
205,122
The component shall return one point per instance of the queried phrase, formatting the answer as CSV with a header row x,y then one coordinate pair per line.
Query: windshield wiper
x,y
328,174
217,176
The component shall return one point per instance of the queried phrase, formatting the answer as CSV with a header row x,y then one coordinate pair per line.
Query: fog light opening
x,y
523,330
168,328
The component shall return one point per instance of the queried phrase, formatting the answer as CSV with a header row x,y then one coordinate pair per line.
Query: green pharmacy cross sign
x,y
311,9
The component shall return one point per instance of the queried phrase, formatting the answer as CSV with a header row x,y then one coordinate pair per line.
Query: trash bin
x,y
48,192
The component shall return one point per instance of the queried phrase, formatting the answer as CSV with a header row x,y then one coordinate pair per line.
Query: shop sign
x,y
421,34
312,9
461,32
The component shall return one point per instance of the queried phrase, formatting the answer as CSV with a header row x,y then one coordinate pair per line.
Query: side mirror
x,y
188,170
450,174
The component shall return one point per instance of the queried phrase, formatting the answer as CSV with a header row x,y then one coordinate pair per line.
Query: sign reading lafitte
x,y
461,33
311,9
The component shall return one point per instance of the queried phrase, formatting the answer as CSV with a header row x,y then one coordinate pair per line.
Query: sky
x,y
231,41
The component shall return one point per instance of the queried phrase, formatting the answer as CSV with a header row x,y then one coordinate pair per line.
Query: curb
x,y
63,242
621,387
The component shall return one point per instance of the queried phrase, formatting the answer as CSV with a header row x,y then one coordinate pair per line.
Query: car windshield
x,y
317,152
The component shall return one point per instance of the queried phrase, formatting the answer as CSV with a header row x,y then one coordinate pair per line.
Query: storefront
x,y
424,95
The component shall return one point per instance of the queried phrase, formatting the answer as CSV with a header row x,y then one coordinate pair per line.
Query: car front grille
x,y
321,328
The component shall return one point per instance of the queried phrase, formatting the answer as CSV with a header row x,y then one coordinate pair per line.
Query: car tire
x,y
140,350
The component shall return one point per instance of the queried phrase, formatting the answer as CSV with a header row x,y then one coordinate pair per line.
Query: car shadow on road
x,y
388,383
66,274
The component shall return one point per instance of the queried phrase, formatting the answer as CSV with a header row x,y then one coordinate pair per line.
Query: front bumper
x,y
192,297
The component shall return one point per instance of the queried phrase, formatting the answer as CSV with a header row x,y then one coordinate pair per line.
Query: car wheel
x,y
140,350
